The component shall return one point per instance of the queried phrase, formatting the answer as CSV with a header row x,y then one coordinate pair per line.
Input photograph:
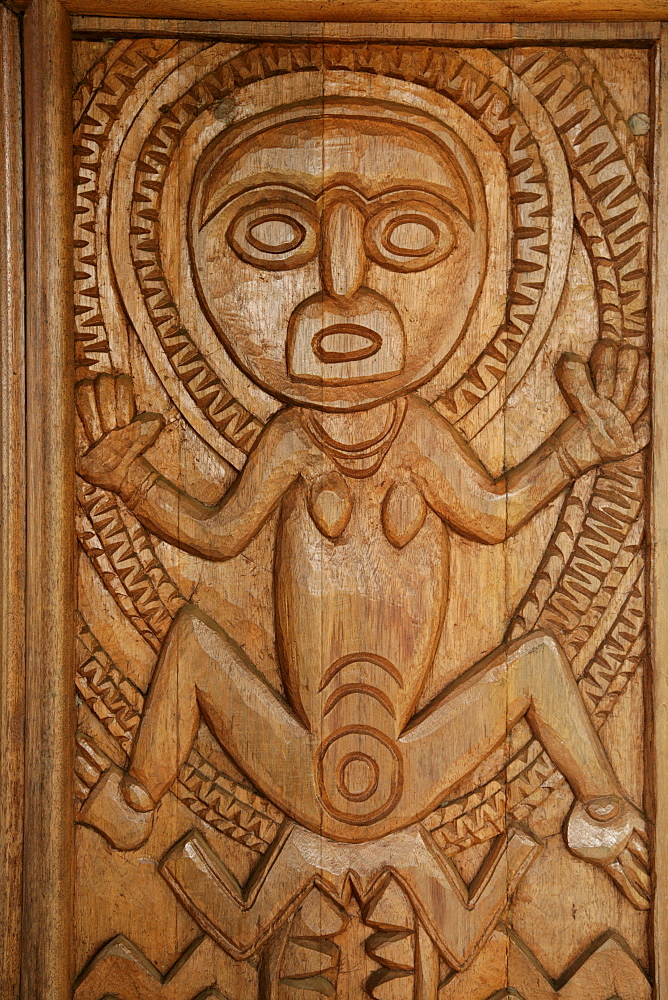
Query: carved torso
x,y
361,588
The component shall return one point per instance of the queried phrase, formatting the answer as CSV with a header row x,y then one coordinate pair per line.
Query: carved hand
x,y
609,394
116,435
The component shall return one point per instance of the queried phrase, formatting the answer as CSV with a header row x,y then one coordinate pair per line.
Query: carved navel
x,y
330,504
403,513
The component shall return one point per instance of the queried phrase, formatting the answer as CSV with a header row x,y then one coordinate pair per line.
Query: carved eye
x,y
275,234
274,238
409,238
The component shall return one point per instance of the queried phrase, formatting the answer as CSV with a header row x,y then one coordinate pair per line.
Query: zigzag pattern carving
x,y
121,971
98,104
605,970
122,553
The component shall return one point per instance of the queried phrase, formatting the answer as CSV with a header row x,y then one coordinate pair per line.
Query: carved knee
x,y
184,618
534,661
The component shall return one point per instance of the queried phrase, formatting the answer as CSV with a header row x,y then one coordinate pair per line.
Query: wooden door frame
x,y
37,412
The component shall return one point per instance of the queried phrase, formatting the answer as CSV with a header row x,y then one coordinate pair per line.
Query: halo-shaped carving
x,y
442,71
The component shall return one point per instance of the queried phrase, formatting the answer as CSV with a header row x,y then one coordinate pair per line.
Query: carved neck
x,y
356,442
358,431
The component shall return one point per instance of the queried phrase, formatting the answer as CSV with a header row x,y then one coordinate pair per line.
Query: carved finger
x,y
635,871
86,404
634,893
627,365
642,430
574,378
640,830
105,393
146,428
603,362
125,400
640,390
638,847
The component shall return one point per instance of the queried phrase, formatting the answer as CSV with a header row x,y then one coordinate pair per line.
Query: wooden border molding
x,y
49,716
490,33
12,503
659,527
477,11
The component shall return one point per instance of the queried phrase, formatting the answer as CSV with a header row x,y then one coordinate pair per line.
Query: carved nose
x,y
343,258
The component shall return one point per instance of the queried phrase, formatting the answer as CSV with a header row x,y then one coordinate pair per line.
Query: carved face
x,y
338,257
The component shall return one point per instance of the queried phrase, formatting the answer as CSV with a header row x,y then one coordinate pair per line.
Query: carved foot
x,y
612,833
119,809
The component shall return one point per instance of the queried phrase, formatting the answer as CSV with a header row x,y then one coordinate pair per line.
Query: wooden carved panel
x,y
362,399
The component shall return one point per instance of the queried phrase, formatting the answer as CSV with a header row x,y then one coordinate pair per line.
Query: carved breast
x,y
330,504
403,513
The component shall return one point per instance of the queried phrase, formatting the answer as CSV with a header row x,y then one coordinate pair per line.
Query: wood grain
x,y
12,552
49,717
377,10
349,694
659,550
365,702
491,33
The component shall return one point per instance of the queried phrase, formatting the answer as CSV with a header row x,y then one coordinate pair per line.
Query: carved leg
x,y
529,679
202,672
269,980
427,966
456,917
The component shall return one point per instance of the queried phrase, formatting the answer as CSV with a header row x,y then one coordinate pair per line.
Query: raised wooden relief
x,y
362,407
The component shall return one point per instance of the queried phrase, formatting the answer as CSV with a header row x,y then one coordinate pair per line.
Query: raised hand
x,y
116,436
609,394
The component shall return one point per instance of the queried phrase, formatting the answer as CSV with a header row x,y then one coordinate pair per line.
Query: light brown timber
x,y
491,33
163,593
659,545
49,719
376,10
12,552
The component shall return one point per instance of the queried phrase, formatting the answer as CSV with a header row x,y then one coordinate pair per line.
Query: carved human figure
x,y
339,259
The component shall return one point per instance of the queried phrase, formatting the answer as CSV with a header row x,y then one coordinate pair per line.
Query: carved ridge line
x,y
91,82
122,962
560,547
122,552
611,514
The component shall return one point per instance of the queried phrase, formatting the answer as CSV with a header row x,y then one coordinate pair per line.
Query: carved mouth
x,y
345,342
